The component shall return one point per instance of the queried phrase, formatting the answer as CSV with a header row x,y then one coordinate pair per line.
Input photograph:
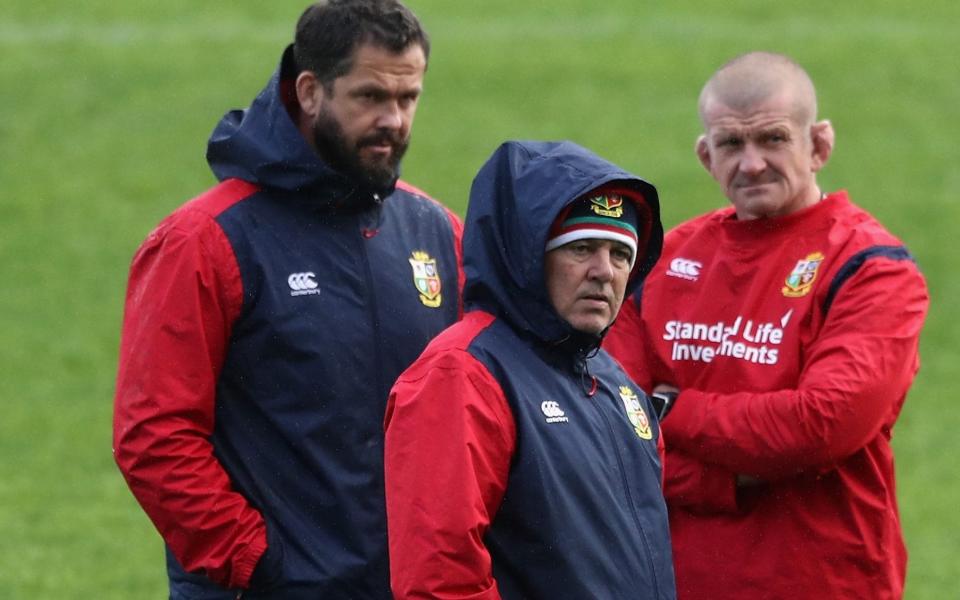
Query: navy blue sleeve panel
x,y
855,262
183,297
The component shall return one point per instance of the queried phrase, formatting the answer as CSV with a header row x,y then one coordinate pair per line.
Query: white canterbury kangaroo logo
x,y
685,268
552,411
303,283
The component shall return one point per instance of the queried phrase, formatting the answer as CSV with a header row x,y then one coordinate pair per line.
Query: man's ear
x,y
309,93
821,136
703,152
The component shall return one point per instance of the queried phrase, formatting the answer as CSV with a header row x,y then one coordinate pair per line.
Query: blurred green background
x,y
105,107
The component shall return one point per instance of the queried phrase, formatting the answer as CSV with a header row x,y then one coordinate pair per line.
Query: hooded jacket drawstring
x,y
583,347
582,367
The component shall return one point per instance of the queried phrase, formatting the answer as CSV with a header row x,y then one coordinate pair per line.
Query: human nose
x,y
752,161
391,117
601,265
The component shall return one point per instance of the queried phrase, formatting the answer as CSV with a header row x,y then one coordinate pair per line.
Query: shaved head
x,y
750,79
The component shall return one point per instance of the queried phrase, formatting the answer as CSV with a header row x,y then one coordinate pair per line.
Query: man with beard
x,y
267,318
783,330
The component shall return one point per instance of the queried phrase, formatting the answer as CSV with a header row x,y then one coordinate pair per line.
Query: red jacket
x,y
793,341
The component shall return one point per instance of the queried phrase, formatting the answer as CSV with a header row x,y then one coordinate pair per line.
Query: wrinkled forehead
x,y
774,113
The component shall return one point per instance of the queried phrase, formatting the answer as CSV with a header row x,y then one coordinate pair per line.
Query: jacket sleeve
x,y
450,436
698,486
184,293
851,387
687,481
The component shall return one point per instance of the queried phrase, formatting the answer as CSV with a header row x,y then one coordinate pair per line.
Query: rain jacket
x,y
265,322
521,460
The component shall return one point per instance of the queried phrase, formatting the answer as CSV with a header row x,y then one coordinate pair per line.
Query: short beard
x,y
379,177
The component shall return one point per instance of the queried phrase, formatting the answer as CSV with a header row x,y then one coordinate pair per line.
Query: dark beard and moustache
x,y
377,176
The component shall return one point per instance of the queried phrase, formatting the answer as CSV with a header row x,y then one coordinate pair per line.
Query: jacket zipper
x,y
626,489
366,234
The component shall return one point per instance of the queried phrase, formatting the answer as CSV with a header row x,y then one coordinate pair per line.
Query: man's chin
x,y
591,325
377,166
756,203
381,180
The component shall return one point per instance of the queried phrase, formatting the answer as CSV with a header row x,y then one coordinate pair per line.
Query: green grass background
x,y
105,107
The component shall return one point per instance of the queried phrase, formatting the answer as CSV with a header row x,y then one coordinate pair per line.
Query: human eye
x,y
409,99
777,137
621,255
370,95
729,141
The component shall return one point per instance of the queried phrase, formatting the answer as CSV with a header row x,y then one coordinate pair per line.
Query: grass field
x,y
105,107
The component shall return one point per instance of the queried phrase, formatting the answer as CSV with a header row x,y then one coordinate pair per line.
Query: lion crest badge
x,y
800,281
426,278
638,418
607,206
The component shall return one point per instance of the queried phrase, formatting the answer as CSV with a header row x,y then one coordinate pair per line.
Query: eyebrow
x,y
382,90
752,133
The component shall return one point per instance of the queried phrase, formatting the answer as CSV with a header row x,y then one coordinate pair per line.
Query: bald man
x,y
779,336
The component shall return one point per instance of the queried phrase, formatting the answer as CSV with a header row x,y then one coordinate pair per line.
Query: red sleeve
x,y
450,436
852,386
184,293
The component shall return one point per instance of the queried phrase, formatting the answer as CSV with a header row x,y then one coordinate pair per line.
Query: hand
x,y
663,398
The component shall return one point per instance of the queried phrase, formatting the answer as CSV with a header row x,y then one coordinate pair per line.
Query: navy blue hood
x,y
515,197
262,145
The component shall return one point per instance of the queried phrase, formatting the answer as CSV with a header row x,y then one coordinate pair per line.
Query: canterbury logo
x,y
302,284
552,411
685,268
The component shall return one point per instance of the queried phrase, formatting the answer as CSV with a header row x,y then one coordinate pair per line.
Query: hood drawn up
x,y
515,197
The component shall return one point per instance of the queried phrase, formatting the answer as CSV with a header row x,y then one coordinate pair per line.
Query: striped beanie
x,y
603,214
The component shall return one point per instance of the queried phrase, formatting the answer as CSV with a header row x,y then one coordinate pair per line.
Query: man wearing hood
x,y
521,461
266,320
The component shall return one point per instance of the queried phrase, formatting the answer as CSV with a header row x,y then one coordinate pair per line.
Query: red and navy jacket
x,y
521,461
265,322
